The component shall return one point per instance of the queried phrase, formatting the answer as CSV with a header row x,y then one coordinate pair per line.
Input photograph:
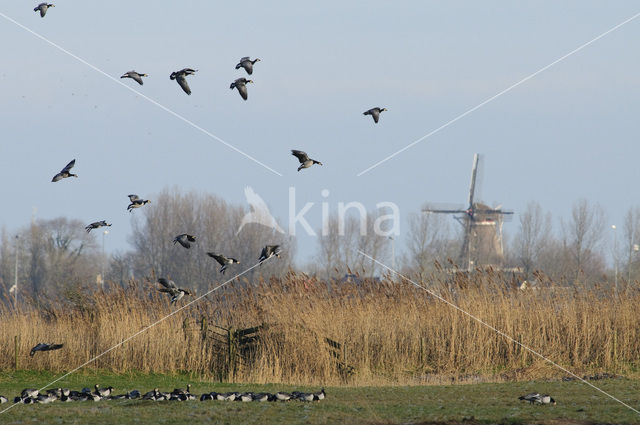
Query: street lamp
x,y
104,259
14,289
615,256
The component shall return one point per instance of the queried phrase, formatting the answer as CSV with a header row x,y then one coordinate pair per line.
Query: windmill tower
x,y
482,227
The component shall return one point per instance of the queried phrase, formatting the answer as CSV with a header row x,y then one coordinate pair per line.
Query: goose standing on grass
x,y
223,261
3,399
65,172
305,161
180,77
169,286
97,225
41,346
43,7
375,113
136,202
247,64
103,392
282,396
319,395
184,239
268,252
135,76
241,85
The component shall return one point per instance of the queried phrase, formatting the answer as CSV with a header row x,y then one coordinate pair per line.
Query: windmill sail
x,y
482,228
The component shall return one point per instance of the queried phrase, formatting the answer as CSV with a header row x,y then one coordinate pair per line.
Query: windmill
x,y
482,238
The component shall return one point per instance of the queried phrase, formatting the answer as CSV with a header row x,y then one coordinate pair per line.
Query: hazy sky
x,y
568,133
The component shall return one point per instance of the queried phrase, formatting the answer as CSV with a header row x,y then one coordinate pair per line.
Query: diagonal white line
x,y
498,331
140,332
508,89
164,108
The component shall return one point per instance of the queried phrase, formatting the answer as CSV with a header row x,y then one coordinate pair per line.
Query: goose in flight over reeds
x,y
223,261
170,287
43,7
241,85
375,113
65,172
305,161
135,76
184,240
268,252
41,346
180,77
97,225
247,64
136,202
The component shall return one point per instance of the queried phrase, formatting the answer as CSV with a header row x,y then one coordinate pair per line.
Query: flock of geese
x,y
168,286
186,239
33,396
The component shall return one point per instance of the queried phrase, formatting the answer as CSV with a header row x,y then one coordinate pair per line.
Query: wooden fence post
x,y
203,327
231,360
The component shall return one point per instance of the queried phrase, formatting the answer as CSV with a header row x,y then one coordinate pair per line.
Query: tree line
x,y
56,256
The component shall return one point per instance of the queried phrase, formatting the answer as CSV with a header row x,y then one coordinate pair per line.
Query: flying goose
x,y
268,252
241,85
43,7
184,240
305,161
136,202
223,261
41,346
170,287
180,77
96,225
64,173
247,64
135,76
375,113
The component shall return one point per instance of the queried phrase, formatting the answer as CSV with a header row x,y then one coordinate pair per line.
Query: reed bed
x,y
389,331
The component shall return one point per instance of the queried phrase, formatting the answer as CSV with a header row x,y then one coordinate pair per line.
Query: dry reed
x,y
390,332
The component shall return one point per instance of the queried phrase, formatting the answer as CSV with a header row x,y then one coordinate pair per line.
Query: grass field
x,y
473,403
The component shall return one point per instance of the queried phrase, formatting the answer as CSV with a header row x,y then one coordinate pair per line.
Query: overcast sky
x,y
570,132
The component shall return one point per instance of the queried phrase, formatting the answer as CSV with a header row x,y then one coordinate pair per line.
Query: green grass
x,y
473,403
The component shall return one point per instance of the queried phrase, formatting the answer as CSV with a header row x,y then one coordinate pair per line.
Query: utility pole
x,y
615,256
15,278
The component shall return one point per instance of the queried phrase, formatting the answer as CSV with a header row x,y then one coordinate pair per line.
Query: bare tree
x,y
429,241
582,239
346,238
533,237
214,223
632,241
